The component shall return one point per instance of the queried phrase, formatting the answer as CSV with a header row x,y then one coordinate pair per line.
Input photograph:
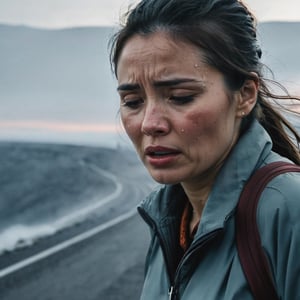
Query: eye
x,y
180,100
132,104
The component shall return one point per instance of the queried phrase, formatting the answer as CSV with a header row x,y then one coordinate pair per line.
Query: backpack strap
x,y
251,254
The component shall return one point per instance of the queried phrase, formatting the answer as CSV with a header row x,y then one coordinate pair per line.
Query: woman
x,y
195,105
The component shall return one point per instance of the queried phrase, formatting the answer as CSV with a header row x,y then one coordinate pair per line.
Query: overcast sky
x,y
68,13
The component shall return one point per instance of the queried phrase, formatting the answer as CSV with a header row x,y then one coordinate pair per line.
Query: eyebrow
x,y
173,82
161,83
129,87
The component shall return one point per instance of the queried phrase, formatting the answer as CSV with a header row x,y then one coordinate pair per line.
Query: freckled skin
x,y
203,130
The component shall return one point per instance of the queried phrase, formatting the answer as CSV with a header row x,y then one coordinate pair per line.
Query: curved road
x,y
101,258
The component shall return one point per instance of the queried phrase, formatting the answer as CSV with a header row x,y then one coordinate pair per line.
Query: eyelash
x,y
132,104
178,100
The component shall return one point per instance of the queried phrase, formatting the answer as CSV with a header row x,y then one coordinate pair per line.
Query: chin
x,y
164,178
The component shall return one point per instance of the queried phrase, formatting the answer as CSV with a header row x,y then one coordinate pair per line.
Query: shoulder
x,y
278,216
279,226
281,199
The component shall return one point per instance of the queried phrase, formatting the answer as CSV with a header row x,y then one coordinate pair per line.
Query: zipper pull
x,y
172,293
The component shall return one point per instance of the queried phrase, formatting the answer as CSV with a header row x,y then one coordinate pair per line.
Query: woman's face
x,y
176,109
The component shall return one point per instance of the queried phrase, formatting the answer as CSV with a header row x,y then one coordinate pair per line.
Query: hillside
x,y
281,47
56,74
65,75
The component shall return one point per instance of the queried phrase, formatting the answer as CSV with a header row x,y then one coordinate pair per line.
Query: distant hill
x,y
65,74
280,43
56,74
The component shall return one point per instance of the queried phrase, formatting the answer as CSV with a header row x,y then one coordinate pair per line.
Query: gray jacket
x,y
210,269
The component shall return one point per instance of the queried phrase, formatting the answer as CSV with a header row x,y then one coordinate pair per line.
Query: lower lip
x,y
162,161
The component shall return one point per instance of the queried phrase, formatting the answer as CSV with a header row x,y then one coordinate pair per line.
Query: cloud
x,y
270,10
62,13
68,13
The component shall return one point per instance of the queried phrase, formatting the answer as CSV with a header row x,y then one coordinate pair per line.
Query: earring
x,y
243,114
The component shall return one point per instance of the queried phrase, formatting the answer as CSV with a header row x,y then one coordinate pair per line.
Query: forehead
x,y
159,55
158,41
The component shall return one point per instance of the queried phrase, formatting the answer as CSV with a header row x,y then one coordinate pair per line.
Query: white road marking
x,y
80,214
75,240
36,231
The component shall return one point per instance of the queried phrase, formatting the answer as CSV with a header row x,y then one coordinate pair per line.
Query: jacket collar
x,y
248,155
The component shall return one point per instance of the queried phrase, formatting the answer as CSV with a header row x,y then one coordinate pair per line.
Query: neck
x,y
197,198
198,189
197,192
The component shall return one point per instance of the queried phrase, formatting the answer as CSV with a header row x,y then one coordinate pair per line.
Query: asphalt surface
x,y
108,266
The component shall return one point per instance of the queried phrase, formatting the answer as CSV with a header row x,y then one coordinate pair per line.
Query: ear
x,y
247,96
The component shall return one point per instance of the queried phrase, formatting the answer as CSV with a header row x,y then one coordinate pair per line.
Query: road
x,y
100,258
107,266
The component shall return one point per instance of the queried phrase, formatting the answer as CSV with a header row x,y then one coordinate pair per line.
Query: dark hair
x,y
226,31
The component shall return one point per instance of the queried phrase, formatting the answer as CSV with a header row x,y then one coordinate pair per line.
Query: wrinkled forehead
x,y
158,49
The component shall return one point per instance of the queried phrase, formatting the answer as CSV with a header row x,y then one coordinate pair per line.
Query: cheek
x,y
211,127
132,126
202,123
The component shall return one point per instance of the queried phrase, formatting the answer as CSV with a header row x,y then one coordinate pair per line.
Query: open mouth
x,y
161,157
159,151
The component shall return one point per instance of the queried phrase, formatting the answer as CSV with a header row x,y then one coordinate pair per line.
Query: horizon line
x,y
108,25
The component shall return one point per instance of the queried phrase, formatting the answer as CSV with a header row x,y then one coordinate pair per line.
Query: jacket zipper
x,y
172,293
173,289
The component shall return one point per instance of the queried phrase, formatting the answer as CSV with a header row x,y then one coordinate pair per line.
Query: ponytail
x,y
284,136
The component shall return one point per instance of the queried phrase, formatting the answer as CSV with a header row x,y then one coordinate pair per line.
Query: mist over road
x,y
99,257
108,266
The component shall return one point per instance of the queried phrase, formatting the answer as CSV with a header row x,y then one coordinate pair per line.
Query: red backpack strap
x,y
252,257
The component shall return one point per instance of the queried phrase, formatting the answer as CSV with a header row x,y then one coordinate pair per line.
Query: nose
x,y
155,121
